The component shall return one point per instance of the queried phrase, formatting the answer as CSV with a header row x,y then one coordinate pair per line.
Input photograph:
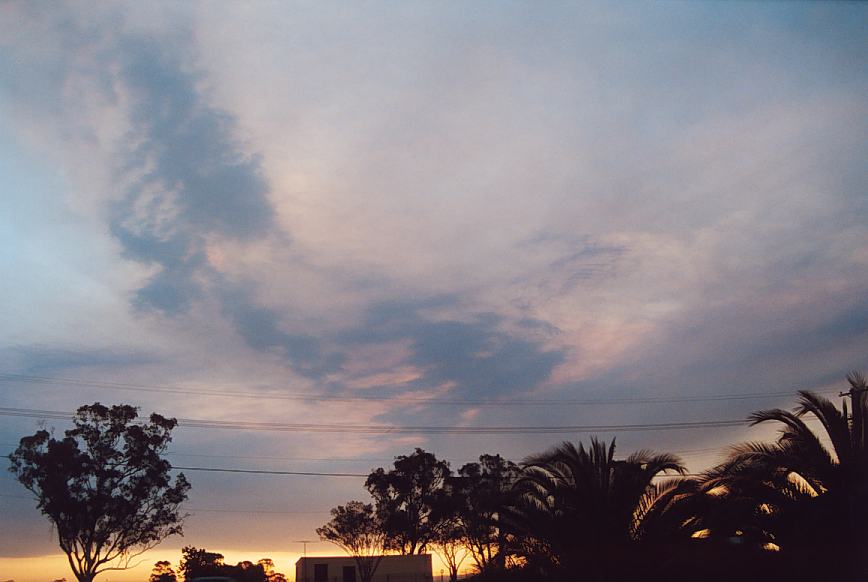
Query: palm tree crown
x,y
578,502
805,493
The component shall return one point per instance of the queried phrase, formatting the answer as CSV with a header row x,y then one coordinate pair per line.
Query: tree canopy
x,y
805,493
196,562
577,506
356,528
410,499
483,491
104,486
163,572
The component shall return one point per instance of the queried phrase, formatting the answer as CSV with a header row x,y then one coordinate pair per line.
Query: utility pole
x,y
852,393
304,562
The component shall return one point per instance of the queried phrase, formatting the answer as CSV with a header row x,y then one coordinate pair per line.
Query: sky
x,y
415,215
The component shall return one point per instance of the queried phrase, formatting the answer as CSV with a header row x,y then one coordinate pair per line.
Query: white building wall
x,y
415,568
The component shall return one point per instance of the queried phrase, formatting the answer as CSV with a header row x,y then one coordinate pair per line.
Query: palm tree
x,y
578,507
806,493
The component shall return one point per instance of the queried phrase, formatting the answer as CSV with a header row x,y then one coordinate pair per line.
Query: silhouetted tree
x,y
674,511
105,486
163,572
200,562
267,565
576,513
197,562
356,528
410,499
449,545
484,490
800,495
247,571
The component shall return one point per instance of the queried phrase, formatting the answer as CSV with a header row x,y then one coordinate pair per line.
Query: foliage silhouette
x,y
104,486
200,562
411,500
578,507
450,545
356,528
163,572
808,499
267,565
196,562
483,491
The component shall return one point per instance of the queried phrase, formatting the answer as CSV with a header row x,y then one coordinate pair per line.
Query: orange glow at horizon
x,y
55,566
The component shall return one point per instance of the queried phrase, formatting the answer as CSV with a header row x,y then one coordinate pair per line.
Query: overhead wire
x,y
208,509
395,429
400,399
686,453
268,472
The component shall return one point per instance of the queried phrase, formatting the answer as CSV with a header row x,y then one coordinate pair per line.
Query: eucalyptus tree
x,y
411,500
104,486
484,492
450,546
356,529
163,572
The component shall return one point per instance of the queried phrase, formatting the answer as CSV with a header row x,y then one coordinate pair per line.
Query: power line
x,y
271,458
264,472
391,429
295,473
210,510
690,453
287,459
255,511
660,399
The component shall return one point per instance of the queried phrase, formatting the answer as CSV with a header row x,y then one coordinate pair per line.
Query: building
x,y
416,568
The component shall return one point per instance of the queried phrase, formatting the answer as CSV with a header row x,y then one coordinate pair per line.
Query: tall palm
x,y
800,492
578,505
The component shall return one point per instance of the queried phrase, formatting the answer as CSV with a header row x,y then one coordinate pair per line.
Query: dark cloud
x,y
478,356
192,147
480,359
260,329
383,318
171,290
47,360
193,181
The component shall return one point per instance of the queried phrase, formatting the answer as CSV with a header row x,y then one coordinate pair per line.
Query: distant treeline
x,y
196,562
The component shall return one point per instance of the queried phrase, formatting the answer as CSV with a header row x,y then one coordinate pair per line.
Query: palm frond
x,y
832,419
